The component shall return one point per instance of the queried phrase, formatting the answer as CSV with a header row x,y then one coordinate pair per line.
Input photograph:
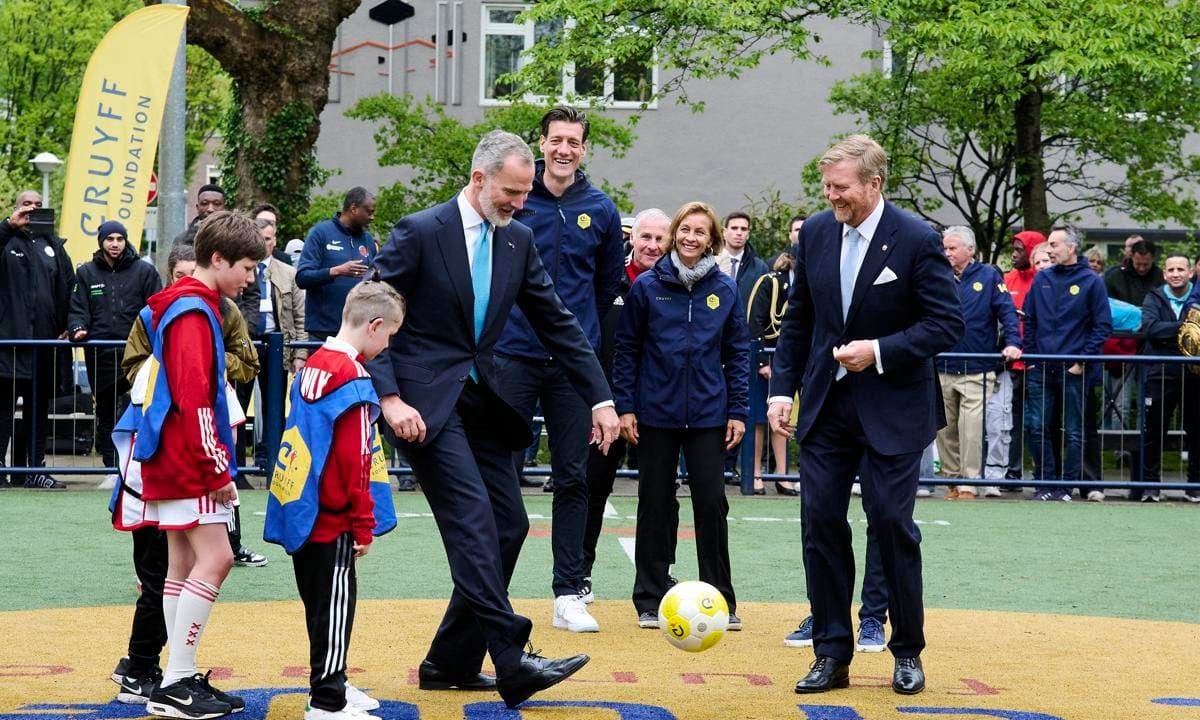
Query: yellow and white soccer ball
x,y
693,615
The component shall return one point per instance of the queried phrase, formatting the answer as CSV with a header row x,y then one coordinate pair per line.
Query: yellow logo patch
x,y
584,221
1074,289
379,470
1002,287
291,468
713,301
978,286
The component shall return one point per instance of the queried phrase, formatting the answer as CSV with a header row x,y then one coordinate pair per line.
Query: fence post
x,y
274,385
757,394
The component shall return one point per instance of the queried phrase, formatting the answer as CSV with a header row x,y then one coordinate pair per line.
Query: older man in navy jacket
x,y
872,302
966,384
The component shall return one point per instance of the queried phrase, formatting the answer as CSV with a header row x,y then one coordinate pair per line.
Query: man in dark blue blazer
x,y
872,302
461,266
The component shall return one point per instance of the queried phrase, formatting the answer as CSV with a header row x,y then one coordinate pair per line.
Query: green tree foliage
x,y
690,39
433,150
1016,112
47,45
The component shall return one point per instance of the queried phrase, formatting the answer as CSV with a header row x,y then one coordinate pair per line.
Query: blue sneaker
x,y
801,636
870,636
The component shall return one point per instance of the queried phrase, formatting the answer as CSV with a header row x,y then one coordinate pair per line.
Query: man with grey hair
x,y
967,384
1066,313
647,240
461,266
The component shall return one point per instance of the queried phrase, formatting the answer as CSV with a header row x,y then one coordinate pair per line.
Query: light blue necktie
x,y
850,268
481,283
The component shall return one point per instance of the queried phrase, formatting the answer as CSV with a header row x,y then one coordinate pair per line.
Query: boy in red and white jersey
x,y
185,447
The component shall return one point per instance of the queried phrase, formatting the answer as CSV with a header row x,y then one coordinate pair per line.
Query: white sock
x,y
191,617
171,590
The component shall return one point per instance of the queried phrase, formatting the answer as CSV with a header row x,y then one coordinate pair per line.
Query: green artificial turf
x,y
1116,559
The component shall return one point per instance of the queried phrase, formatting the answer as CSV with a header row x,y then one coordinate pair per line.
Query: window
x,y
627,84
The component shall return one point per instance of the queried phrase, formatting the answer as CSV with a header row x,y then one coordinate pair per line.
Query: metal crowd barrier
x,y
274,378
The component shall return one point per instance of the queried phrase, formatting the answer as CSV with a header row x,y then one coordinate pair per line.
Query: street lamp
x,y
46,163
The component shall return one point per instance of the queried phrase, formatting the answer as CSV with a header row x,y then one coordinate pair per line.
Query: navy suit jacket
x,y
429,360
914,317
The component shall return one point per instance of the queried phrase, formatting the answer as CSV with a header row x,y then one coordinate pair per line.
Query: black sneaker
x,y
137,687
735,623
188,699
43,482
248,558
548,486
122,669
235,703
648,619
406,484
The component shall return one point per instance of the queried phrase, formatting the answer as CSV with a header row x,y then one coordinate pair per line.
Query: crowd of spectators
x,y
1007,418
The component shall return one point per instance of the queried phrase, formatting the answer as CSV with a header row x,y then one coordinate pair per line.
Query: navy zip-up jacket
x,y
578,236
682,358
1066,313
986,307
330,243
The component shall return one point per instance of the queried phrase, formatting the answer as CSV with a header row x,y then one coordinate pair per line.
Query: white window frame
x,y
526,30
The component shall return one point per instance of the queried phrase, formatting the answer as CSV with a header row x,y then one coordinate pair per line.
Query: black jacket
x,y
106,300
35,291
1123,283
1161,328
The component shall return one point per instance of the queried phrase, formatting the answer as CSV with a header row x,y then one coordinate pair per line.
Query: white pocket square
x,y
885,276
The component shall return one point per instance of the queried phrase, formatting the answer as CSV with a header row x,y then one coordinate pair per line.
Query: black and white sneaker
x,y
248,558
43,482
187,699
136,687
120,670
235,703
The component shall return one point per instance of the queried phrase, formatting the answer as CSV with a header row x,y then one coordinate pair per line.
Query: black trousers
x,y
1017,434
28,444
568,424
601,474
658,511
148,635
1166,391
109,390
830,458
328,587
471,485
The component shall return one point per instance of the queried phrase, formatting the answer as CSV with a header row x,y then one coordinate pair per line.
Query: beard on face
x,y
489,209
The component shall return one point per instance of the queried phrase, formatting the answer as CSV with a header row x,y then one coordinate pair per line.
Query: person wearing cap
x,y
1018,281
109,293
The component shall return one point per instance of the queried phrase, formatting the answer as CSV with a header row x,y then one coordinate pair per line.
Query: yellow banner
x,y
116,130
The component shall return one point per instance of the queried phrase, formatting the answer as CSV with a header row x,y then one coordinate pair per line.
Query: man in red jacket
x,y
1018,281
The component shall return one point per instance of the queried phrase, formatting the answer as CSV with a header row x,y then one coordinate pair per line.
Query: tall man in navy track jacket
x,y
461,267
336,256
872,302
967,384
577,232
1066,313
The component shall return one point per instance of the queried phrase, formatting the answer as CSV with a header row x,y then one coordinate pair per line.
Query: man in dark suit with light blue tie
x,y
872,302
461,266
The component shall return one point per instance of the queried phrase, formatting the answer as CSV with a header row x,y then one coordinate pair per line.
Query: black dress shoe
x,y
406,484
431,677
909,677
530,482
785,490
824,674
535,674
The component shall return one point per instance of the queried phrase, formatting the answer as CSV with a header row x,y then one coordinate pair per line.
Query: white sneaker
x,y
358,700
346,713
924,492
856,489
991,491
1095,496
109,482
570,613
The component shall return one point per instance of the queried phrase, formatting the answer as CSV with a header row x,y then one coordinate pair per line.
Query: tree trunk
x,y
279,62
1030,165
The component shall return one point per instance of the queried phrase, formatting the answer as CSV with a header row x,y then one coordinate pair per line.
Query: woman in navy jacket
x,y
680,381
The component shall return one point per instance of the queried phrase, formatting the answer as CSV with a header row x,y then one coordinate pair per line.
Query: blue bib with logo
x,y
294,501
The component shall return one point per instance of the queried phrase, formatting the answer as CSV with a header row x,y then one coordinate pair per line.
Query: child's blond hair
x,y
370,300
